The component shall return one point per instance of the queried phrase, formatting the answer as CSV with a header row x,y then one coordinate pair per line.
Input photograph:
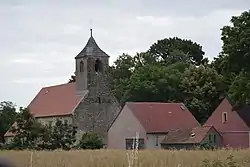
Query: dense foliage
x,y
91,140
171,70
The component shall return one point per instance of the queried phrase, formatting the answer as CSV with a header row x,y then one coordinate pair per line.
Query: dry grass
x,y
114,158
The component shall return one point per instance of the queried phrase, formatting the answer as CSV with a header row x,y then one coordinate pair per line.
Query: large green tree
x,y
27,130
119,74
172,50
153,83
62,135
7,117
234,60
236,44
202,88
239,91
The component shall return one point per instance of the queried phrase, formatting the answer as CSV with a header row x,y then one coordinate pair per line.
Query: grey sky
x,y
39,39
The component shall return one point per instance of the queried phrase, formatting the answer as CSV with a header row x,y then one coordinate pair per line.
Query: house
x,y
87,103
189,138
232,123
151,120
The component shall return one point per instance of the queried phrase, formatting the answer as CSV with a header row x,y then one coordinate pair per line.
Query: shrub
x,y
91,140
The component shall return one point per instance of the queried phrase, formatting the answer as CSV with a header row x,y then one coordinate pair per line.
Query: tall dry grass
x,y
118,158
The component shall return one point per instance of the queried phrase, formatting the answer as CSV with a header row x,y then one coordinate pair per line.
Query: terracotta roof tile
x,y
187,135
162,117
56,100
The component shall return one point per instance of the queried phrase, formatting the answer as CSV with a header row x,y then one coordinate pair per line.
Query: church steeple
x,y
91,63
91,49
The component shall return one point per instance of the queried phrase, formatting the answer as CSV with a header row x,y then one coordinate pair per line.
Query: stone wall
x,y
99,108
52,120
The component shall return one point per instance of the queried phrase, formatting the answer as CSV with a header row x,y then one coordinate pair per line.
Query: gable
x,y
234,121
126,124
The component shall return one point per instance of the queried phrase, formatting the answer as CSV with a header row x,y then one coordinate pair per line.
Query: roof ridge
x,y
58,85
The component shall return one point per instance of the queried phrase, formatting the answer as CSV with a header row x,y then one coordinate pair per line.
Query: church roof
x,y
54,101
58,100
91,49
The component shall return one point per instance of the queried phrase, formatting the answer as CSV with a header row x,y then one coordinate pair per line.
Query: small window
x,y
81,66
129,144
157,141
214,138
224,117
98,65
99,100
210,138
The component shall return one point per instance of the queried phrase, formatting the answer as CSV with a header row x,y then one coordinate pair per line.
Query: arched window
x,y
99,100
98,66
81,66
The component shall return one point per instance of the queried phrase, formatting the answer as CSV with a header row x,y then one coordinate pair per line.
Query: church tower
x,y
99,107
91,62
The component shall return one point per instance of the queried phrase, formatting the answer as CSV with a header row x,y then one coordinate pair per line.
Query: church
x,y
87,103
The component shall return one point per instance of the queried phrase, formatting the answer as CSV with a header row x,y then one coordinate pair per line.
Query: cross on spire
x,y
91,32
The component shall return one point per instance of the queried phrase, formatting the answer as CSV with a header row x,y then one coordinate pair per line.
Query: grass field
x,y
114,158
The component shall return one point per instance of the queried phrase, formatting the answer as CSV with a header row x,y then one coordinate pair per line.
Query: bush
x,y
91,140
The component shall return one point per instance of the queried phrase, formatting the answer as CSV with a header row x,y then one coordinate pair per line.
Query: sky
x,y
39,39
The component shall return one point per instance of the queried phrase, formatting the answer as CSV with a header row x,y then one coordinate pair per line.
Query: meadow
x,y
115,158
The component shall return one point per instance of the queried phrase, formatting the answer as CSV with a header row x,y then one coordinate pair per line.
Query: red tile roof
x,y
162,117
187,135
56,100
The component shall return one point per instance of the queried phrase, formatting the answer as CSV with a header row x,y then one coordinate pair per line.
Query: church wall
x,y
52,120
99,109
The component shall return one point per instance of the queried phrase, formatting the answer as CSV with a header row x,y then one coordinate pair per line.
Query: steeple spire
x,y
91,48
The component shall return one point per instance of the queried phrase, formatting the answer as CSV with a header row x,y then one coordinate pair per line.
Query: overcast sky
x,y
40,38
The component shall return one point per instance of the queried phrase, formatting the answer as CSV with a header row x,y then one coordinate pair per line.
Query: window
x,y
81,66
214,138
210,138
99,100
224,117
98,65
157,141
129,144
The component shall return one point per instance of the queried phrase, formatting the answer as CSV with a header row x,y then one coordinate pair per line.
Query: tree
x,y
236,44
202,88
172,50
27,130
119,74
153,83
91,140
7,117
63,135
239,90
